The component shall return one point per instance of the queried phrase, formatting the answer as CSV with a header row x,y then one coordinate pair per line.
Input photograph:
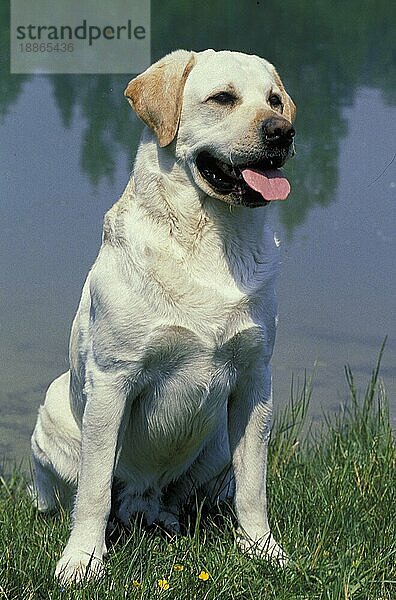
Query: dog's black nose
x,y
278,129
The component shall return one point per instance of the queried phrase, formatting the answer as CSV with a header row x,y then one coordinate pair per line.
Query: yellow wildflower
x,y
178,567
136,583
163,584
203,576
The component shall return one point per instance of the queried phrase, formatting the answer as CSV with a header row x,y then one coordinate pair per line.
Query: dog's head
x,y
229,118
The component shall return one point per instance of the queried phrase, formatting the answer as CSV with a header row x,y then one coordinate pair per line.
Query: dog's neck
x,y
166,192
167,198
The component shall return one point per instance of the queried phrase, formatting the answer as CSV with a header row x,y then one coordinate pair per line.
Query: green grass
x,y
332,498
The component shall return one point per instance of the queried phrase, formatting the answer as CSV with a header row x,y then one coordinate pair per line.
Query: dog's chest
x,y
203,292
203,336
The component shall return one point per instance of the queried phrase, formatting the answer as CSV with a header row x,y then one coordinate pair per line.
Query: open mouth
x,y
253,184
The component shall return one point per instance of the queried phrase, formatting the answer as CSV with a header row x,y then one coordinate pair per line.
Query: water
x,y
67,144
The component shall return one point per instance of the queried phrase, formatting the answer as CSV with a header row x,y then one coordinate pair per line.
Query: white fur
x,y
169,387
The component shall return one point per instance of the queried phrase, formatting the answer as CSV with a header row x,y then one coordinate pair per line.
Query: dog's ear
x,y
157,94
289,110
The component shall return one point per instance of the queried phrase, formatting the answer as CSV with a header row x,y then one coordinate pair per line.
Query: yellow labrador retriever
x,y
169,387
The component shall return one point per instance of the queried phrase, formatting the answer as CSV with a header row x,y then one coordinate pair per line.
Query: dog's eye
x,y
223,98
275,101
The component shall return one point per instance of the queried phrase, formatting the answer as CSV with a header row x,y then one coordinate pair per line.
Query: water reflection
x,y
68,143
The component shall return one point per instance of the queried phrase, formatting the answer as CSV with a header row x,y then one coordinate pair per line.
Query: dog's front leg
x,y
250,410
102,430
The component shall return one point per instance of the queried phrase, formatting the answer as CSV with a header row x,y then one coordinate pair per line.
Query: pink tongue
x,y
272,185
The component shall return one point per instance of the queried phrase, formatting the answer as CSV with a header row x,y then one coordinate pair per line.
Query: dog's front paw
x,y
262,547
169,520
132,502
76,566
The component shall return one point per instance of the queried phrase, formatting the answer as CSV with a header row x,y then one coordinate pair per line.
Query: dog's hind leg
x,y
55,449
46,491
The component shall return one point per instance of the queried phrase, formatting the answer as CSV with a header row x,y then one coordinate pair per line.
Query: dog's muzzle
x,y
258,182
